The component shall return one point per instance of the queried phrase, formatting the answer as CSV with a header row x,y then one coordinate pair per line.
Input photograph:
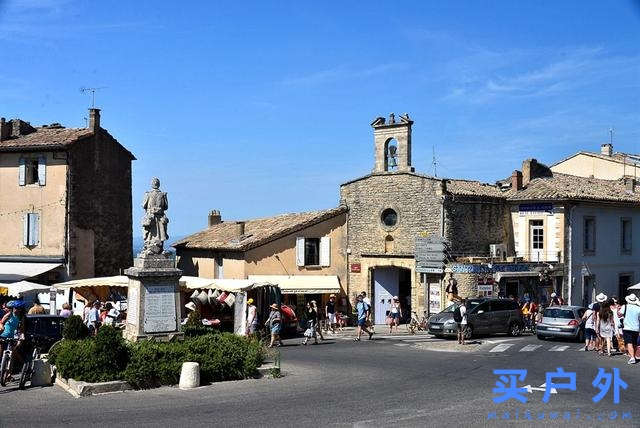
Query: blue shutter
x,y
36,230
25,229
42,170
22,172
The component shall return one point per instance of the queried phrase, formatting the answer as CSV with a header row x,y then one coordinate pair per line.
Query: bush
x,y
75,329
98,359
223,356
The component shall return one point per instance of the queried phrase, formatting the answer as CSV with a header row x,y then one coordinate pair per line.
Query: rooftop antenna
x,y
93,93
611,131
434,162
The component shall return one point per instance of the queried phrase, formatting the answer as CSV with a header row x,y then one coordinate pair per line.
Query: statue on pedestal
x,y
154,222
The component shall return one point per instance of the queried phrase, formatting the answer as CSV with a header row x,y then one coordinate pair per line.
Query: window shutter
x,y
22,172
34,228
325,251
300,251
42,170
25,229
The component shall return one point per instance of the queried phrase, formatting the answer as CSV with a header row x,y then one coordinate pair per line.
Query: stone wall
x,y
472,224
100,201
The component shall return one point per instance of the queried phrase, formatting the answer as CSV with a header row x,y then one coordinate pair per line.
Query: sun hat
x,y
191,306
250,301
273,306
553,294
601,298
632,299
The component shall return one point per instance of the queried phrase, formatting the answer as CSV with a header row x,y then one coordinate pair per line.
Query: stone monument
x,y
153,302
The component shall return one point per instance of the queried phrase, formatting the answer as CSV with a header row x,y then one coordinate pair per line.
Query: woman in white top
x,y
395,313
606,327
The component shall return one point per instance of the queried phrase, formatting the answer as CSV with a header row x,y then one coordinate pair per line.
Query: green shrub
x,y
98,359
221,357
74,328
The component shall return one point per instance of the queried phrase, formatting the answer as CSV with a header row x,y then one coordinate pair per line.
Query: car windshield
x,y
471,304
450,308
558,313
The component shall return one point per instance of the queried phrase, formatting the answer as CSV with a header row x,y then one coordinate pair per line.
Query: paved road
x,y
399,380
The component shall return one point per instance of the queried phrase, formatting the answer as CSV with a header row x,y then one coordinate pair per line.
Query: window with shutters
x,y
31,231
313,252
32,171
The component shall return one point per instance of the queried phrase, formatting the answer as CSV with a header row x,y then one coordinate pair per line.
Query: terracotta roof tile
x,y
473,188
571,187
256,232
45,138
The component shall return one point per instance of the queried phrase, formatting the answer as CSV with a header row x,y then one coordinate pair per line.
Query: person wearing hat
x,y
330,312
395,312
274,322
252,317
630,312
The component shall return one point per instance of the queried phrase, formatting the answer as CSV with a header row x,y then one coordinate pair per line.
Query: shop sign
x,y
356,267
423,269
536,208
485,287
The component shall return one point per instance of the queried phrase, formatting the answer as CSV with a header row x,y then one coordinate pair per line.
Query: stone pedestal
x,y
153,302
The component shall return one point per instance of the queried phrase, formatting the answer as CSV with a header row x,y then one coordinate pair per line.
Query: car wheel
x,y
541,337
515,329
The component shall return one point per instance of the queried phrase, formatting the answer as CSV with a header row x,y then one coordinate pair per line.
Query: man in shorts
x,y
462,325
631,325
330,312
367,301
363,311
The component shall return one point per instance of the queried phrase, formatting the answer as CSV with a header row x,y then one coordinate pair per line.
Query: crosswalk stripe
x,y
559,348
501,348
530,348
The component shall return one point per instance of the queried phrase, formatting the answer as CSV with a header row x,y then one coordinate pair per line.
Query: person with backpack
x,y
630,312
589,318
363,310
460,317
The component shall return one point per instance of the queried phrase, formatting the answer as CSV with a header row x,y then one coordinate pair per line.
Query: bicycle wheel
x,y
4,367
25,374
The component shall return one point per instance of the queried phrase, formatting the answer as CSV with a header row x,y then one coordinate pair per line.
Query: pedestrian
x,y
93,318
606,328
526,314
314,304
342,320
274,323
252,317
37,308
311,315
630,313
367,301
395,312
555,300
589,318
363,309
112,314
85,311
601,298
330,312
617,332
452,289
460,317
66,310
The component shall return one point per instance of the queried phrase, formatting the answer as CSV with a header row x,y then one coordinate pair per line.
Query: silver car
x,y
562,322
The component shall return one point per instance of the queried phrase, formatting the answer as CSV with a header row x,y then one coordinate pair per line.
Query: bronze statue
x,y
154,222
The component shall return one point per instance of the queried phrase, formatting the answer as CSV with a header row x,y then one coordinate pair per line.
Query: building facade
x,y
606,164
65,202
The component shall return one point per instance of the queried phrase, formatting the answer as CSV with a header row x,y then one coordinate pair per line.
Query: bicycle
x,y
5,363
27,366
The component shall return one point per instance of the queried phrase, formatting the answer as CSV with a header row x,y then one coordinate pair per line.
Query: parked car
x,y
562,321
484,316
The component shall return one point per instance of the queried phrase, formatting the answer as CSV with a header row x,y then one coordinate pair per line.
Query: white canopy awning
x,y
301,284
634,287
105,281
499,275
17,271
17,289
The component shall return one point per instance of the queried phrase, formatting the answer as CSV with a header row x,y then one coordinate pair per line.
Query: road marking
x,y
501,348
401,344
559,348
530,348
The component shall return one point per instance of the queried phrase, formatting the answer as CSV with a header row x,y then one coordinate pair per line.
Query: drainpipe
x,y
569,258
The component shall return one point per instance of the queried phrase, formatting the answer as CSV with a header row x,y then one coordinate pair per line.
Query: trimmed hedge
x,y
74,328
148,364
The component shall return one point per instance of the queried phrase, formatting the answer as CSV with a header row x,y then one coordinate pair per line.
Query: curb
x,y
84,389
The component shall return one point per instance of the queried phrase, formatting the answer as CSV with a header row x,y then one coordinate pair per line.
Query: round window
x,y
389,217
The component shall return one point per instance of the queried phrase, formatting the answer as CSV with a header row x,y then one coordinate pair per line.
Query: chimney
x,y
606,149
5,129
94,119
630,184
516,180
528,168
239,228
214,217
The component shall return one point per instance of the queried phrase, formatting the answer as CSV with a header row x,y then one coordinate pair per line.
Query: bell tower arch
x,y
392,155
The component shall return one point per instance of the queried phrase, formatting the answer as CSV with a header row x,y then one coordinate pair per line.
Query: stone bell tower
x,y
389,156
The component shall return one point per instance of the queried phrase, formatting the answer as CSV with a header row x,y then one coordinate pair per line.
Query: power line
x,y
32,208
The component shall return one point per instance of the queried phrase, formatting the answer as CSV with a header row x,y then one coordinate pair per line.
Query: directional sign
x,y
421,269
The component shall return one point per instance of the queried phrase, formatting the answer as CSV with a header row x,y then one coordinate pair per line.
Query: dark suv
x,y
484,316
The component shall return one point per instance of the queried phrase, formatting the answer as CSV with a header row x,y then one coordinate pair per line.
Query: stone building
x,y
65,202
393,205
605,164
304,253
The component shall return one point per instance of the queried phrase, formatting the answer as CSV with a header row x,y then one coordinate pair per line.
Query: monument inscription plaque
x,y
159,309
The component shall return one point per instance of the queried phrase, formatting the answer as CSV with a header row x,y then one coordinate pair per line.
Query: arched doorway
x,y
389,281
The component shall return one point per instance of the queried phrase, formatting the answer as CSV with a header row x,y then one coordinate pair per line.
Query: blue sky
x,y
258,108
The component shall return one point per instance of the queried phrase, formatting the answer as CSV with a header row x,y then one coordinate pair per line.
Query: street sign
x,y
485,287
421,269
433,257
356,267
